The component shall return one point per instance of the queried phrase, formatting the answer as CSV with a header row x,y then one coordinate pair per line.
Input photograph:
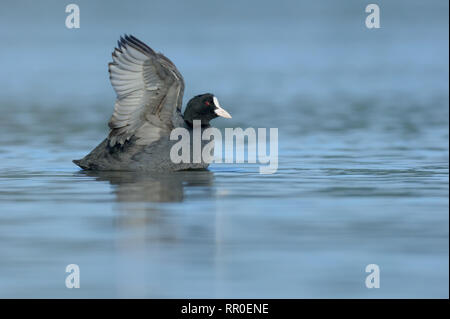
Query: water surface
x,y
363,153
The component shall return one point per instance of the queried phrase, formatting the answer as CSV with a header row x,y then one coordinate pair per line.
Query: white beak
x,y
220,111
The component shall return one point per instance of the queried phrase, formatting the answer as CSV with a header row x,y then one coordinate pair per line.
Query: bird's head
x,y
204,107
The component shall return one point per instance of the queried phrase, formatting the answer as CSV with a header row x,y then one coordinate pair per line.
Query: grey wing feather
x,y
149,92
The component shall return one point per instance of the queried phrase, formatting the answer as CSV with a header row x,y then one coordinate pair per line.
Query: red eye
x,y
207,103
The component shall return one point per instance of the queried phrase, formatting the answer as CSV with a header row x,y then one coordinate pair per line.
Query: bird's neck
x,y
204,124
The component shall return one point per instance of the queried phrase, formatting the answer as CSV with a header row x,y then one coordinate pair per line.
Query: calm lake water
x,y
363,153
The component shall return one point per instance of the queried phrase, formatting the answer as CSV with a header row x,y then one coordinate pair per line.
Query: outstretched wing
x,y
149,92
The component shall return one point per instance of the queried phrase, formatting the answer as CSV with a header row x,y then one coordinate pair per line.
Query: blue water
x,y
363,153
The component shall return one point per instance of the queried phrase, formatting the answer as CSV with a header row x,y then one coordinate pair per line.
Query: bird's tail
x,y
83,164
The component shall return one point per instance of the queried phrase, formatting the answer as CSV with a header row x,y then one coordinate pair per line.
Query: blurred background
x,y
363,152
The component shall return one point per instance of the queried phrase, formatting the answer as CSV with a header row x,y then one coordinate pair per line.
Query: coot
x,y
149,92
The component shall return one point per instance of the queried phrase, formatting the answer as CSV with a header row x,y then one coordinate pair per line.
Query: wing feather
x,y
149,92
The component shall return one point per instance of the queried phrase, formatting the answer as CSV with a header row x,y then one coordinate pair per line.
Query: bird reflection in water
x,y
147,225
152,187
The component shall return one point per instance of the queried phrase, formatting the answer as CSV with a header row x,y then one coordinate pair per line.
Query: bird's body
x,y
148,107
134,157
